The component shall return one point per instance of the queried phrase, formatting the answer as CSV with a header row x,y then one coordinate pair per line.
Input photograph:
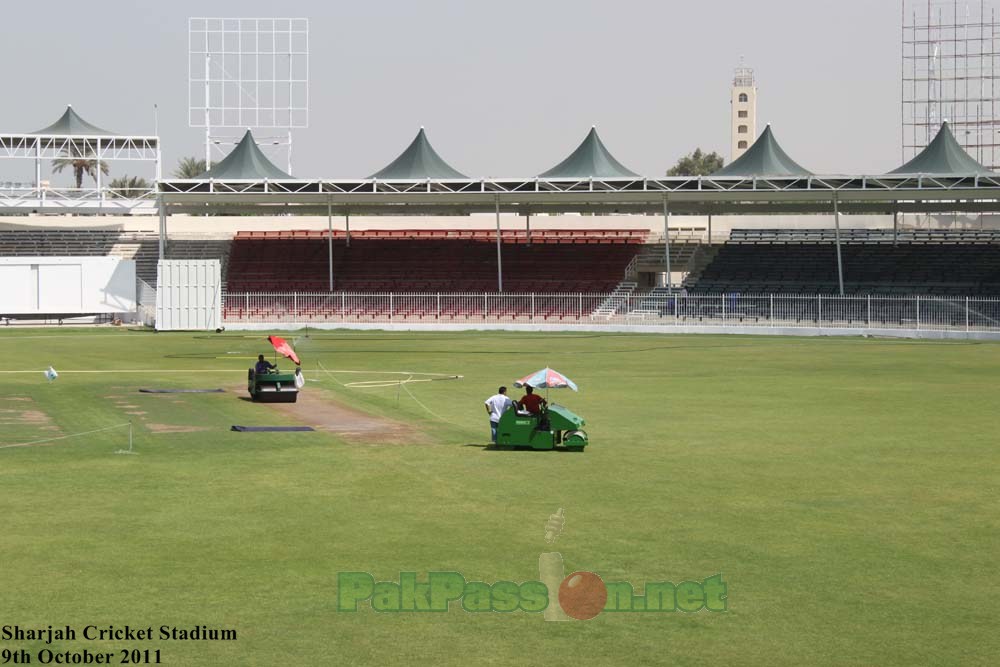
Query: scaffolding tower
x,y
949,73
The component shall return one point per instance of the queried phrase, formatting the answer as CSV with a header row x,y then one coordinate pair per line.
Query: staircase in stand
x,y
617,299
653,304
652,258
699,262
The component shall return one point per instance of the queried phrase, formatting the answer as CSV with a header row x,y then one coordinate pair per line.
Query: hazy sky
x,y
503,88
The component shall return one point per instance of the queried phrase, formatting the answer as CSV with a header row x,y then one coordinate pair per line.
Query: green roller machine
x,y
275,387
555,426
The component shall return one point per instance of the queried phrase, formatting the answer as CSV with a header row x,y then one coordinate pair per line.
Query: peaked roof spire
x,y
764,158
591,159
71,124
419,160
246,161
944,155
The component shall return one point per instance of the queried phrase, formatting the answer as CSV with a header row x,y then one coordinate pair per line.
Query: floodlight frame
x,y
271,94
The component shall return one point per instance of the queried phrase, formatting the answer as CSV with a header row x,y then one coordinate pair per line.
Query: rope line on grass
x,y
393,383
334,377
63,437
431,412
376,384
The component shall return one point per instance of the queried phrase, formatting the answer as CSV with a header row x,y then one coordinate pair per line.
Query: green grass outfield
x,y
846,489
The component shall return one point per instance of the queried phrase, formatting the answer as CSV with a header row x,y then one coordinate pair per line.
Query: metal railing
x,y
145,302
657,309
56,197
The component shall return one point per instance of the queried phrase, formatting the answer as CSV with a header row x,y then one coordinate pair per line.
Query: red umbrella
x,y
282,347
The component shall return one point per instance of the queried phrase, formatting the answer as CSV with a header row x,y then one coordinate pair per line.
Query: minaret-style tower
x,y
744,111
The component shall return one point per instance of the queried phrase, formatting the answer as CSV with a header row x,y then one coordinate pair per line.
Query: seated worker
x,y
531,401
263,366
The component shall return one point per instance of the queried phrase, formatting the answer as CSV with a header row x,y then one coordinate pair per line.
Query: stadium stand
x,y
931,262
428,261
557,261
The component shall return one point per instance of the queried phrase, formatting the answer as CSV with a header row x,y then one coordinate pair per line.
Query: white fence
x,y
979,314
145,303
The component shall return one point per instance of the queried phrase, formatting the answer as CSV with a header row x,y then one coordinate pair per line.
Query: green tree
x,y
129,187
697,164
80,166
190,167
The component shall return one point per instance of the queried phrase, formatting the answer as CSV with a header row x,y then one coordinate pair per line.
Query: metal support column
x,y
709,229
97,172
329,238
527,227
38,166
836,233
499,257
666,240
208,115
895,226
158,169
163,223
347,226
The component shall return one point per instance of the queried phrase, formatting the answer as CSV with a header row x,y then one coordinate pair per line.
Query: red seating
x,y
581,236
451,261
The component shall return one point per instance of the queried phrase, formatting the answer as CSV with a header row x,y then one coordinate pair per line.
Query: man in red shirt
x,y
531,401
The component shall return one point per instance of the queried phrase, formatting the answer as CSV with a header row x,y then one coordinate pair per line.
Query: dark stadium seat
x,y
941,262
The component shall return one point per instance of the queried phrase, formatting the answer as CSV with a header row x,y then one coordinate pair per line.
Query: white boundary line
x,y
142,370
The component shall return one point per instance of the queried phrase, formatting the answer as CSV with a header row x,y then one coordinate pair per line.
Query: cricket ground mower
x,y
554,426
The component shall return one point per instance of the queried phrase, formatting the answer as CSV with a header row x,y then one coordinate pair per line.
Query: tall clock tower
x,y
744,111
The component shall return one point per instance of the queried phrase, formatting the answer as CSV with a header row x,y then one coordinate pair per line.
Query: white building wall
x,y
66,285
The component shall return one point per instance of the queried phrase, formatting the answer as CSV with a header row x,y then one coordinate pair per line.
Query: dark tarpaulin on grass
x,y
591,159
246,161
270,429
765,158
181,391
418,161
943,156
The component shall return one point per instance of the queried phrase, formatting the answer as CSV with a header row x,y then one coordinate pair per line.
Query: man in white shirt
x,y
496,405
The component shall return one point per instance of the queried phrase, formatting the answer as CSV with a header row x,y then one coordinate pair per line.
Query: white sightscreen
x,y
60,287
66,285
17,292
188,294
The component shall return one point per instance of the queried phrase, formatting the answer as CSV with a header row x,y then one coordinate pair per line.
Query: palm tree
x,y
190,167
129,187
80,166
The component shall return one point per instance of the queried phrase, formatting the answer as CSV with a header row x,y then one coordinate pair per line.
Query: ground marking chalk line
x,y
142,370
63,437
